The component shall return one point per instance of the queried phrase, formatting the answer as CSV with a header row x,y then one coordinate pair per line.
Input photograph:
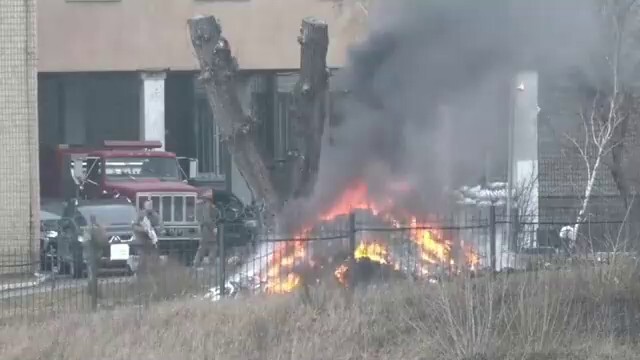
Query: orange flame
x,y
433,248
373,251
283,286
341,274
354,198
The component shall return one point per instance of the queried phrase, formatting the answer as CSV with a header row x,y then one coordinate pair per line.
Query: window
x,y
209,147
282,128
94,166
141,167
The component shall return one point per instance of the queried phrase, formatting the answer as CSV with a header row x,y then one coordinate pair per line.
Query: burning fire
x,y
433,248
373,251
432,251
296,253
355,198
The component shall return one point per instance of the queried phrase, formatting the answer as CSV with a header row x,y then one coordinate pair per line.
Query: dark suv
x,y
115,215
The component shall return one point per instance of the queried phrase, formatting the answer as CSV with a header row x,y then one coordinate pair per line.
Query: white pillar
x,y
152,126
525,148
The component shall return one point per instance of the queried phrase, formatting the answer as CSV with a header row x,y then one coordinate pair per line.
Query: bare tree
x,y
605,119
310,96
218,73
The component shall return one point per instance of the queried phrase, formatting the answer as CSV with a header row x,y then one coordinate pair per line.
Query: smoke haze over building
x,y
429,90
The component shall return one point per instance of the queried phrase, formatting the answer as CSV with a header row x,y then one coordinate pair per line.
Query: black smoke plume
x,y
428,92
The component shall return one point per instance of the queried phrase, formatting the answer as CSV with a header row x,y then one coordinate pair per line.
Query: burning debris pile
x,y
393,244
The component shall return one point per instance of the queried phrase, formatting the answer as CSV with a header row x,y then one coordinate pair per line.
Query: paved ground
x,y
49,285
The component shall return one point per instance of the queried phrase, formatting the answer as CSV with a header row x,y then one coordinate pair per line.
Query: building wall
x,y
18,125
130,35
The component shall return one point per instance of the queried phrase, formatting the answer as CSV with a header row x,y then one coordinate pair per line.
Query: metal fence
x,y
344,252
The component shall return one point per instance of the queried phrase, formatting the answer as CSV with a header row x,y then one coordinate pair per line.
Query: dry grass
x,y
582,314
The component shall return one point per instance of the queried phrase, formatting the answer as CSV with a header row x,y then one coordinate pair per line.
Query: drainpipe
x,y
510,163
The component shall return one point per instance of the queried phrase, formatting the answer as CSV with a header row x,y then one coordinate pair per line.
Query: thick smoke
x,y
429,91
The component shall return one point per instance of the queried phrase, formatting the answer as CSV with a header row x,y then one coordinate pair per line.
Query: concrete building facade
x,y
123,69
18,127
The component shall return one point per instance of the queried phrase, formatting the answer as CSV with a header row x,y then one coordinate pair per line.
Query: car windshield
x,y
142,167
107,215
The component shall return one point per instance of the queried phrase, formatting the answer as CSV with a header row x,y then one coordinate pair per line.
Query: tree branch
x,y
218,71
310,96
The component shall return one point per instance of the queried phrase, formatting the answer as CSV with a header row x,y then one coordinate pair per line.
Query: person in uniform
x,y
96,240
145,228
208,218
97,236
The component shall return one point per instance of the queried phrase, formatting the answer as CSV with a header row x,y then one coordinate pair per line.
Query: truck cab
x,y
136,171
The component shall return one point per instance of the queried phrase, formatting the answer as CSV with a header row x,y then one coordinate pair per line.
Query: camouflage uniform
x,y
97,237
95,241
147,245
207,216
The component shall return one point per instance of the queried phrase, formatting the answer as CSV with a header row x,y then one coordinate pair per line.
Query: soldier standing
x,y
145,229
208,218
95,242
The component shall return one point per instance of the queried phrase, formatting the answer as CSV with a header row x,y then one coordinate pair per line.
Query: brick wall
x,y
18,129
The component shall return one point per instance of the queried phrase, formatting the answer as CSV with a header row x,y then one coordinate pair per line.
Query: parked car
x,y
115,215
241,220
49,231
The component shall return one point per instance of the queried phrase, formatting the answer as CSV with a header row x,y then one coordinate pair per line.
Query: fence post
x,y
352,234
221,259
492,236
515,229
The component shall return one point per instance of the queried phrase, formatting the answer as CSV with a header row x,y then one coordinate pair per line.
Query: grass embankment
x,y
581,314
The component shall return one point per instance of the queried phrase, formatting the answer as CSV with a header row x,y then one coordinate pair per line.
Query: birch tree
x,y
606,115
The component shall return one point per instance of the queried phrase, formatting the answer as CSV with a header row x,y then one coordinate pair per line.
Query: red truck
x,y
135,170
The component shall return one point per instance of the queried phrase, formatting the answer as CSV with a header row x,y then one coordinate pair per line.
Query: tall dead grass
x,y
582,313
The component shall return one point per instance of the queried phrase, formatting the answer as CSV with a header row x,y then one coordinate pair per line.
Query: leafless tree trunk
x,y
218,71
310,106
606,120
600,122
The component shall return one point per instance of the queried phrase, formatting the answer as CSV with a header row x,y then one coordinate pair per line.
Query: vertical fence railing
x,y
56,291
492,237
221,264
352,231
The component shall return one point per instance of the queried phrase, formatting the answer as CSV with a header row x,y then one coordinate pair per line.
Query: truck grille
x,y
179,208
